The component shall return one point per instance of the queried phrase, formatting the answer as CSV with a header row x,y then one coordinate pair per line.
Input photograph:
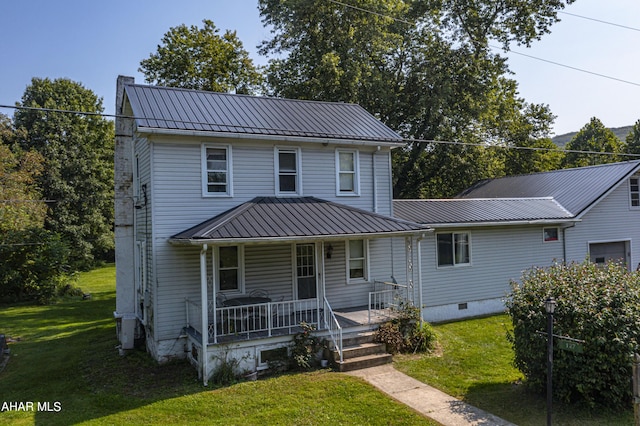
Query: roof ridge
x,y
261,97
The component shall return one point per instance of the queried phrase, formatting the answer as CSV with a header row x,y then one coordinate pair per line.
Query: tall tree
x,y
21,205
423,67
633,139
78,163
201,58
594,137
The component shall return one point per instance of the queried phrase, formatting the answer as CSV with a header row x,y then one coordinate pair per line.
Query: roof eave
x,y
291,239
502,223
280,138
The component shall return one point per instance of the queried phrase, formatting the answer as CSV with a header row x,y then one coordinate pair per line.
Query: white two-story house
x,y
238,217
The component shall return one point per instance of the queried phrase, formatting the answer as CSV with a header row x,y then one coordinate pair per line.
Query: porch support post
x,y
204,312
408,248
320,284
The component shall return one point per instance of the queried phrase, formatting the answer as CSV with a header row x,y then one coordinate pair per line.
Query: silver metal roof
x,y
165,108
575,189
266,219
476,211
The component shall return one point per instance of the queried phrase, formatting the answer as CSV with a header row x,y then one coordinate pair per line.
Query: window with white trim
x,y
230,272
287,171
454,249
347,173
634,191
216,171
357,260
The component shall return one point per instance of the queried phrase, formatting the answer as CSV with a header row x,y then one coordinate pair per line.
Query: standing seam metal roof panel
x,y
183,109
575,189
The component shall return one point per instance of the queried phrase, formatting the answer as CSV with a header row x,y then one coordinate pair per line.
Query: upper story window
x,y
357,260
634,190
288,171
550,234
454,249
216,171
347,173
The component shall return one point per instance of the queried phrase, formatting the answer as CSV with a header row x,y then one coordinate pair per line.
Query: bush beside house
x,y
597,304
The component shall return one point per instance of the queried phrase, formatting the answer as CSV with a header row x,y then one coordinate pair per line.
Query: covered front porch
x,y
271,264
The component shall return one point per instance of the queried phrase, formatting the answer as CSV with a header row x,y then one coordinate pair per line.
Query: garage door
x,y
603,252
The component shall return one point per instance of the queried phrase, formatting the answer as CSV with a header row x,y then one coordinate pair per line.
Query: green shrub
x,y
305,347
405,333
597,304
34,266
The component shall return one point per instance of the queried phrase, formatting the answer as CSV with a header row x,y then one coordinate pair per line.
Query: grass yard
x,y
474,363
65,356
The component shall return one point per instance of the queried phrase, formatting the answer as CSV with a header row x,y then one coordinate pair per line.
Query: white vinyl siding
x,y
347,172
217,171
288,171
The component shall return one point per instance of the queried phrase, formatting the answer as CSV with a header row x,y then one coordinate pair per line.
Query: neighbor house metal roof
x,y
480,211
272,219
575,189
164,108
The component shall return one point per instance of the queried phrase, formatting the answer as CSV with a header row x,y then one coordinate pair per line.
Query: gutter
x,y
503,223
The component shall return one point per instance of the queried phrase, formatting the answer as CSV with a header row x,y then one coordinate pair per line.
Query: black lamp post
x,y
550,307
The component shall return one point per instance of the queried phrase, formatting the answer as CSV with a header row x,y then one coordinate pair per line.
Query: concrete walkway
x,y
423,398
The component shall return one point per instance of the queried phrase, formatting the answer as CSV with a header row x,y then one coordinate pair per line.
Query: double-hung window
x,y
634,190
347,176
454,249
216,171
357,260
287,171
230,260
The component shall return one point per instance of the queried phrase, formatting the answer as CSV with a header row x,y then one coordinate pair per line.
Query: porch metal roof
x,y
575,189
166,108
265,219
485,211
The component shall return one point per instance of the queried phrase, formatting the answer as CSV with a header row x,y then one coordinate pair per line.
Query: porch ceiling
x,y
266,219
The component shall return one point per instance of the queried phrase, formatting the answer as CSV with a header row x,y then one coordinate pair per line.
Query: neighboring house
x,y
498,228
238,217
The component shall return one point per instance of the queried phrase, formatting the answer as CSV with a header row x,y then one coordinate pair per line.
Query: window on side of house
x,y
454,249
634,191
287,171
347,173
230,260
550,234
216,171
357,260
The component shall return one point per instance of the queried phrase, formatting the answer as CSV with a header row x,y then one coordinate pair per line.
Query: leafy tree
x,y
424,68
194,58
78,163
633,139
593,137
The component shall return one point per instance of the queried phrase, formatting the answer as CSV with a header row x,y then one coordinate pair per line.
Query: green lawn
x,y
65,355
474,363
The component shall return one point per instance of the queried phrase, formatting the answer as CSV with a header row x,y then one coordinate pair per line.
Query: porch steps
x,y
360,351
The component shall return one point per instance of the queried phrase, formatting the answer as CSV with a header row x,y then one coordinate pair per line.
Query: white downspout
x,y
204,313
419,240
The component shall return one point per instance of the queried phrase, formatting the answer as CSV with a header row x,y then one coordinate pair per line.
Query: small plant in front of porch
x,y
405,332
305,347
227,371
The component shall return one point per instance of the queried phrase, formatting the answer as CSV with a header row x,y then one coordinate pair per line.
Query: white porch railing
x,y
386,298
334,328
257,320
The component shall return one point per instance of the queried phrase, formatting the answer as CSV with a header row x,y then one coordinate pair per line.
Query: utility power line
x,y
406,140
601,21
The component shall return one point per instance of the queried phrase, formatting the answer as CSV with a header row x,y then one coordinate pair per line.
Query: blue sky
x,y
92,42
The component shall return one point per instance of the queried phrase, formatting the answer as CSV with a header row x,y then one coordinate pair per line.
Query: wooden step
x,y
360,351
